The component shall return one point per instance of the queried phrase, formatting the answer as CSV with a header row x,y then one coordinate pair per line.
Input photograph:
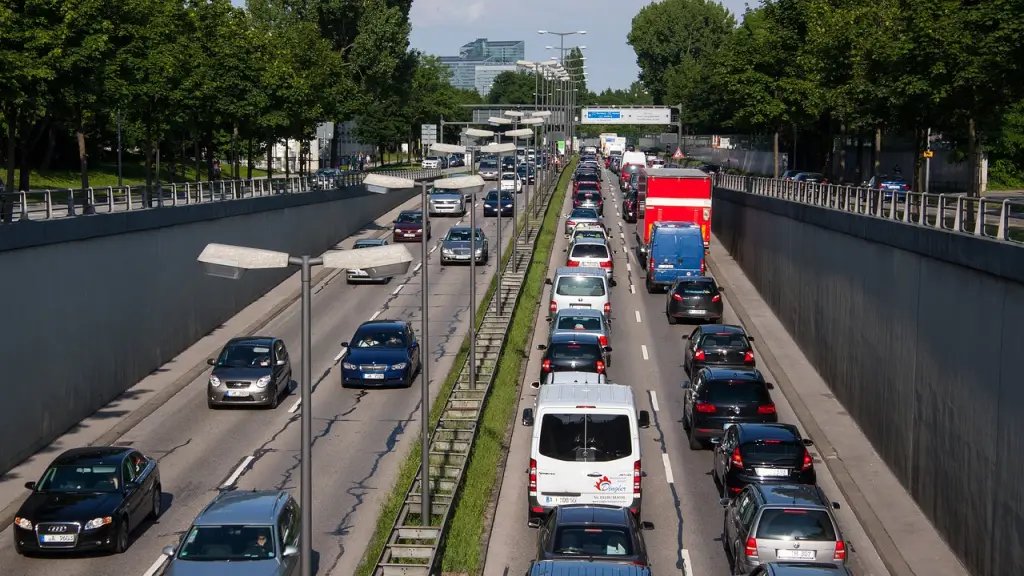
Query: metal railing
x,y
51,204
412,545
1000,219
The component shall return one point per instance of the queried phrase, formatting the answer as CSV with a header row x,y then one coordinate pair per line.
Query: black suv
x,y
725,345
750,453
695,298
719,397
573,353
594,531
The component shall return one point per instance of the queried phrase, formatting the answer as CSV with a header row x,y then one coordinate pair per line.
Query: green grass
x,y
102,175
463,542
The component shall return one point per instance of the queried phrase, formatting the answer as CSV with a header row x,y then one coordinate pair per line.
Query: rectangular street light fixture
x,y
525,63
447,148
513,114
478,133
549,62
541,114
533,120
498,120
381,184
376,261
521,133
497,149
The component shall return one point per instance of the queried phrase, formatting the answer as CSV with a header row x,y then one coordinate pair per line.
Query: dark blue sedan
x,y
381,353
491,203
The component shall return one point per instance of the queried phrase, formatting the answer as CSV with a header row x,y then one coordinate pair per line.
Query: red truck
x,y
672,195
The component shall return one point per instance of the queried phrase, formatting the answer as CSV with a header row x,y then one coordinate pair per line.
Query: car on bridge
x,y
250,370
381,353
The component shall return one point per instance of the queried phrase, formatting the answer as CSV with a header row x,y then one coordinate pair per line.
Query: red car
x,y
409,227
586,178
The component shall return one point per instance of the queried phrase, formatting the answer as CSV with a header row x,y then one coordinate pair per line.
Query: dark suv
x,y
725,345
720,397
750,453
597,532
573,353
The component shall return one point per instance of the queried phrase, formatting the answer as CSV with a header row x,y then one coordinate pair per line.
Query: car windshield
x,y
228,543
409,218
584,213
813,176
493,195
434,158
366,244
585,437
786,524
508,176
488,164
593,541
589,251
462,235
726,392
447,191
578,323
735,341
245,356
695,288
80,478
580,286
378,338
776,451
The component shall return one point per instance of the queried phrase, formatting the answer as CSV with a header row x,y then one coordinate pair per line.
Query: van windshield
x,y
585,437
580,286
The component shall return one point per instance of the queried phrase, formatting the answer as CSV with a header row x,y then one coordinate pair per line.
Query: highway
x,y
359,436
679,495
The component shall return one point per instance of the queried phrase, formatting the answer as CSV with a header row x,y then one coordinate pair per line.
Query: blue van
x,y
676,249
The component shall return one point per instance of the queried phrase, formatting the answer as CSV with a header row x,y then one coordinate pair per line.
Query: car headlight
x,y
479,251
399,366
97,523
418,230
214,381
348,366
262,382
447,251
23,523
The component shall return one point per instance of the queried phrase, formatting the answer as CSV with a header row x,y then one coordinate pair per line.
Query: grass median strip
x,y
410,465
462,546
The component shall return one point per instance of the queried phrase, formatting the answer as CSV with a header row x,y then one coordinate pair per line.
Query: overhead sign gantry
x,y
613,115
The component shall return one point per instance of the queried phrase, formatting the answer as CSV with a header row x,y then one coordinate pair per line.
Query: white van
x,y
580,287
585,447
636,158
555,378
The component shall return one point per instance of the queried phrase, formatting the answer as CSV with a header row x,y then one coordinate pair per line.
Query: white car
x,y
510,182
431,162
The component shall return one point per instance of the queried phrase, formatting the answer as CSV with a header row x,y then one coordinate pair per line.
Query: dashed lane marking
x,y
238,472
643,350
156,566
340,354
632,290
628,269
417,267
684,555
654,401
432,250
295,406
637,312
374,316
397,290
668,468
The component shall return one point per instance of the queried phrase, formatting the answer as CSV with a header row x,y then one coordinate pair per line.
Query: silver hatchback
x,y
253,370
582,321
581,216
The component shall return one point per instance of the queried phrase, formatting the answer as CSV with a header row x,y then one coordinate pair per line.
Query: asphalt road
x,y
680,497
359,436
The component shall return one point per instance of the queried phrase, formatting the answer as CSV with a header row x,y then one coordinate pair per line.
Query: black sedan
x,y
694,298
382,353
89,499
593,531
491,203
749,453
573,353
722,397
718,345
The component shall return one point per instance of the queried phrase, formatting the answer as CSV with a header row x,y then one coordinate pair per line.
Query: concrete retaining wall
x,y
918,333
92,305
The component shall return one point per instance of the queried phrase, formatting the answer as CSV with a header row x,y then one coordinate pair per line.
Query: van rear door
x,y
586,457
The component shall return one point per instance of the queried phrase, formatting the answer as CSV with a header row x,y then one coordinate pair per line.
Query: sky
x,y
440,27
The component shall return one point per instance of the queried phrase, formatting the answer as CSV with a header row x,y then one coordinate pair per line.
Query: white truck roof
x,y
561,378
574,395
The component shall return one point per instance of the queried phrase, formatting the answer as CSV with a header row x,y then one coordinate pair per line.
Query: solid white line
x,y
643,350
632,290
684,555
238,472
295,406
341,353
397,290
375,314
637,312
156,566
417,268
654,401
627,266
668,468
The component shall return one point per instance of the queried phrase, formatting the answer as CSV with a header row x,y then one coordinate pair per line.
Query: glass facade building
x,y
481,60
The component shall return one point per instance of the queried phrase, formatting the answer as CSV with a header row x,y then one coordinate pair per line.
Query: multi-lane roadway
x,y
360,437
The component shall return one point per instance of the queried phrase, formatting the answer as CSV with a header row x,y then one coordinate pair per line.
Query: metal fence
x,y
50,204
1001,219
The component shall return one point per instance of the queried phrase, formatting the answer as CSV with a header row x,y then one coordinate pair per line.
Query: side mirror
x,y
684,384
168,551
608,349
724,502
751,338
535,384
533,522
548,281
30,485
808,442
716,441
644,419
770,385
281,362
835,505
344,345
647,525
211,362
527,416
685,337
720,289
549,319
129,486
541,347
290,551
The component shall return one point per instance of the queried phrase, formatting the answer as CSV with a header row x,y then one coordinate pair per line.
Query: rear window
x,y
589,251
580,286
787,524
589,233
593,541
735,341
586,177
585,437
728,392
585,196
578,323
583,213
574,351
773,451
631,168
695,288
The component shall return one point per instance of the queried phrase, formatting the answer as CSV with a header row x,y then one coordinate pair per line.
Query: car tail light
x,y
602,340
716,298
705,408
546,365
573,263
703,267
636,478
750,550
606,264
904,187
736,459
840,553
677,297
698,355
808,461
766,409
570,223
600,367
607,307
748,356
533,477
553,307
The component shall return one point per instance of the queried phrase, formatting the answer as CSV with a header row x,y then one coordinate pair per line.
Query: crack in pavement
x,y
286,476
166,453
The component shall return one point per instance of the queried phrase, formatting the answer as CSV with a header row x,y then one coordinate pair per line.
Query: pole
x,y
472,292
306,456
120,180
515,198
927,162
424,370
497,300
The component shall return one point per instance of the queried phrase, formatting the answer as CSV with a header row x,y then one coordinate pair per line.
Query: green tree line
x,y
816,71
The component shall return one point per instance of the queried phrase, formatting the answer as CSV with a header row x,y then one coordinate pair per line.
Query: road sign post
x,y
428,135
678,155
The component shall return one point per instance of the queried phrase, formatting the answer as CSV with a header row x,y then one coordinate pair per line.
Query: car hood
x,y
230,373
408,225
63,507
453,244
240,568
445,195
376,356
495,202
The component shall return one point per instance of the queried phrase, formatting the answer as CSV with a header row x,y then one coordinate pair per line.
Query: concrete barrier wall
x,y
918,334
86,319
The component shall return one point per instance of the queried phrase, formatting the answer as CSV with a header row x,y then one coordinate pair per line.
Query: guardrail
x,y
51,204
1000,219
412,545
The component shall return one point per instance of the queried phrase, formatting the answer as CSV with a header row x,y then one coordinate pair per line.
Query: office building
x,y
496,52
481,60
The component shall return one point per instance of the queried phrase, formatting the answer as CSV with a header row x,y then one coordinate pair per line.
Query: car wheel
x,y
671,319
695,444
275,398
121,539
155,509
648,285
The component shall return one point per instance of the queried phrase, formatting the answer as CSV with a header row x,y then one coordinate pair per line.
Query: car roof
x,y
254,340
383,324
807,569
585,568
580,271
722,328
567,337
756,431
239,507
580,312
371,242
720,373
591,514
417,212
92,455
792,495
568,396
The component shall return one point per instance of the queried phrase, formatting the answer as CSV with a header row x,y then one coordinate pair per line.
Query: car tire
x,y
695,444
275,399
156,507
648,285
671,319
121,538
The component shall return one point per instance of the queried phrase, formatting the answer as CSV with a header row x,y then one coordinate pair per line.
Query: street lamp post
x,y
542,115
475,133
499,148
232,262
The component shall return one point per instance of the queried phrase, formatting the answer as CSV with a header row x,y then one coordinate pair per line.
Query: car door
x,y
744,521
413,350
287,376
734,512
132,493
278,371
545,540
723,452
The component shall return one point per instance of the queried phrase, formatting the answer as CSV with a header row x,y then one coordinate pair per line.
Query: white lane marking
x,y
417,267
375,314
627,265
637,312
156,566
620,224
432,250
684,555
654,401
238,472
668,468
397,290
643,350
340,354
459,223
295,406
632,290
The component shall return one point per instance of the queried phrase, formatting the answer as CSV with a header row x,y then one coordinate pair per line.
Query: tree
x,y
512,88
574,65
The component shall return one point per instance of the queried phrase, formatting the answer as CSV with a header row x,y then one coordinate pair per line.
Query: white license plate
x,y
410,235
664,265
63,538
698,312
237,393
579,305
462,256
560,500
372,376
771,471
795,554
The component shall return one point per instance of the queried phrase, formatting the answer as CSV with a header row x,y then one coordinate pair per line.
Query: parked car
x,y
409,227
718,397
354,275
381,353
723,346
457,244
694,298
250,370
593,531
749,453
432,162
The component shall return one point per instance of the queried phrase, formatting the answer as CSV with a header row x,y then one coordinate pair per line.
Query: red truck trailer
x,y
672,195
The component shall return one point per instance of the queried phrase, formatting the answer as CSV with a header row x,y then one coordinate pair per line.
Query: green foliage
x,y
513,88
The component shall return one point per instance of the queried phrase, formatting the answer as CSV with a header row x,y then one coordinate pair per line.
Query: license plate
x,y
372,376
63,538
410,235
794,554
560,500
237,393
462,256
771,471
579,305
699,312
664,265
